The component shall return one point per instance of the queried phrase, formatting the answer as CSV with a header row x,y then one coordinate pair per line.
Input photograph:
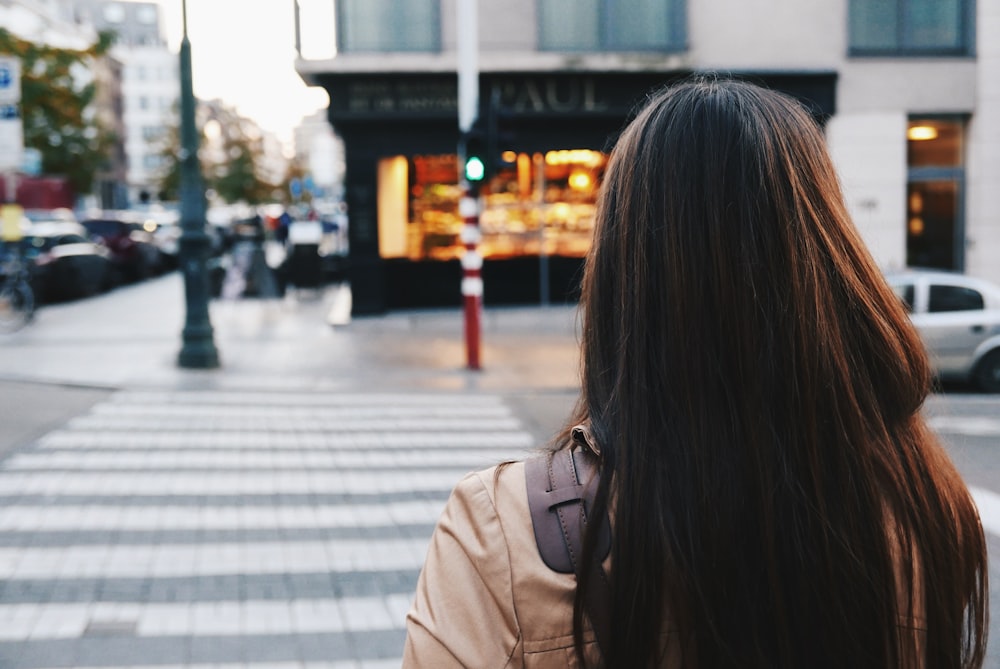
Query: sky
x,y
243,52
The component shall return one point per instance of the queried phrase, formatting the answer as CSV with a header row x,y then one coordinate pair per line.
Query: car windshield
x,y
105,228
904,291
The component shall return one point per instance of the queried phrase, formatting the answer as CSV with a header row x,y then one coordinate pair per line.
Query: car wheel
x,y
988,372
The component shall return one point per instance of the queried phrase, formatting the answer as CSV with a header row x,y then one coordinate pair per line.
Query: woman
x,y
753,388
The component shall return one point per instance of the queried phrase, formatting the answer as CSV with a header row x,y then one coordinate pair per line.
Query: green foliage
x,y
237,180
231,169
57,109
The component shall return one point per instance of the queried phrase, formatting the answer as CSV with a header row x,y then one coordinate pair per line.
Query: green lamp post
x,y
197,350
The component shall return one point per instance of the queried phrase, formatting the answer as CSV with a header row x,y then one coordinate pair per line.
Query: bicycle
x,y
17,299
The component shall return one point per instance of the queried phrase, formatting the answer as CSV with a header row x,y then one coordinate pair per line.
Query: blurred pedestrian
x,y
751,397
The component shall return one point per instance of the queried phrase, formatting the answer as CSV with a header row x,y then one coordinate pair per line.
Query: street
x,y
275,513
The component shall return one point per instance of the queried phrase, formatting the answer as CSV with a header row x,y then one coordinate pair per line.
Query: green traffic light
x,y
475,170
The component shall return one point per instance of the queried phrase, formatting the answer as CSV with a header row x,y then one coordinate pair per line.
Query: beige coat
x,y
485,598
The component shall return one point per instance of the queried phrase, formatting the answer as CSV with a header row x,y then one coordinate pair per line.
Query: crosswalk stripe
x,y
989,508
269,460
315,422
360,664
211,559
58,484
290,414
971,426
299,439
311,399
219,618
103,517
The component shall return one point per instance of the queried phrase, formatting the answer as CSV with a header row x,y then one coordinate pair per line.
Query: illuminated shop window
x,y
935,225
536,204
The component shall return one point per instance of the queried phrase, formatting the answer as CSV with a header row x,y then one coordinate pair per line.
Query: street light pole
x,y
197,350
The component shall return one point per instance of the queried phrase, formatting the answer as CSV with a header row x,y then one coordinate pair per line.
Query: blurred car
x,y
133,251
65,263
48,215
958,318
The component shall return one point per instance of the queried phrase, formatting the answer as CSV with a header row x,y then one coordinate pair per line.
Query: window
x,y
954,298
146,14
151,133
905,293
388,25
152,161
114,13
935,219
611,25
905,27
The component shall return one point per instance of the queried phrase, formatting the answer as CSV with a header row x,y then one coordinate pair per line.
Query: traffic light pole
x,y
468,109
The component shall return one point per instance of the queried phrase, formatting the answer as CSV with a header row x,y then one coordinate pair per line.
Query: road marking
x,y
298,399
290,482
971,426
220,618
103,517
186,452
473,459
352,664
989,508
327,440
212,559
290,415
314,423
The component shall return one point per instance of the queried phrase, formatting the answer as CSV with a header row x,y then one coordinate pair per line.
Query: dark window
x,y
954,298
901,27
388,25
905,294
611,25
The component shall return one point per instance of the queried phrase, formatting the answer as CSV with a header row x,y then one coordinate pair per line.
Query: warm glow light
x,y
579,180
509,156
916,202
149,226
921,132
916,226
213,129
575,157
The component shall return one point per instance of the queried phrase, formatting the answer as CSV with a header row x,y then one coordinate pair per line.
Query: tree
x,y
238,179
57,103
229,156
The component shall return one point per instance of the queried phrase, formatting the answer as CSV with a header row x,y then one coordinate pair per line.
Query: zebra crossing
x,y
232,529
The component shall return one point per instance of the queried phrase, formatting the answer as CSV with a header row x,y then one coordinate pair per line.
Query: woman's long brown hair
x,y
755,387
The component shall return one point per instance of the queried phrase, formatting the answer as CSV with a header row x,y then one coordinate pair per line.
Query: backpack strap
x,y
561,489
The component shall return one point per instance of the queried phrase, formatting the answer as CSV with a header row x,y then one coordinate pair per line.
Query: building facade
x,y
150,85
54,23
908,93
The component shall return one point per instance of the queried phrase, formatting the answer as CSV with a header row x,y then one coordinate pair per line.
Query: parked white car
x,y
958,318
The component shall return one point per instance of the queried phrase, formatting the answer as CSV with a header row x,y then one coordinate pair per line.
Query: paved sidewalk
x,y
131,337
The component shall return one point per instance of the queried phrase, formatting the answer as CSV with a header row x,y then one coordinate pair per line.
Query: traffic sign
x,y
11,145
10,80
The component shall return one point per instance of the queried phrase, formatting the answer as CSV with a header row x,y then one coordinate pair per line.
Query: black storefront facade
x,y
544,114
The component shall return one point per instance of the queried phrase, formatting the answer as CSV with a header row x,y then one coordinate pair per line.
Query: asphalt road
x,y
29,410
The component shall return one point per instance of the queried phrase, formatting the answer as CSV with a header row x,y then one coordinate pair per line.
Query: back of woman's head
x,y
755,384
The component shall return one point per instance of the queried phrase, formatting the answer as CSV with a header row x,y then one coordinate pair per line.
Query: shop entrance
x,y
935,213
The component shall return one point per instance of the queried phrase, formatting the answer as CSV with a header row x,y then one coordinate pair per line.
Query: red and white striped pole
x,y
472,278
468,110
